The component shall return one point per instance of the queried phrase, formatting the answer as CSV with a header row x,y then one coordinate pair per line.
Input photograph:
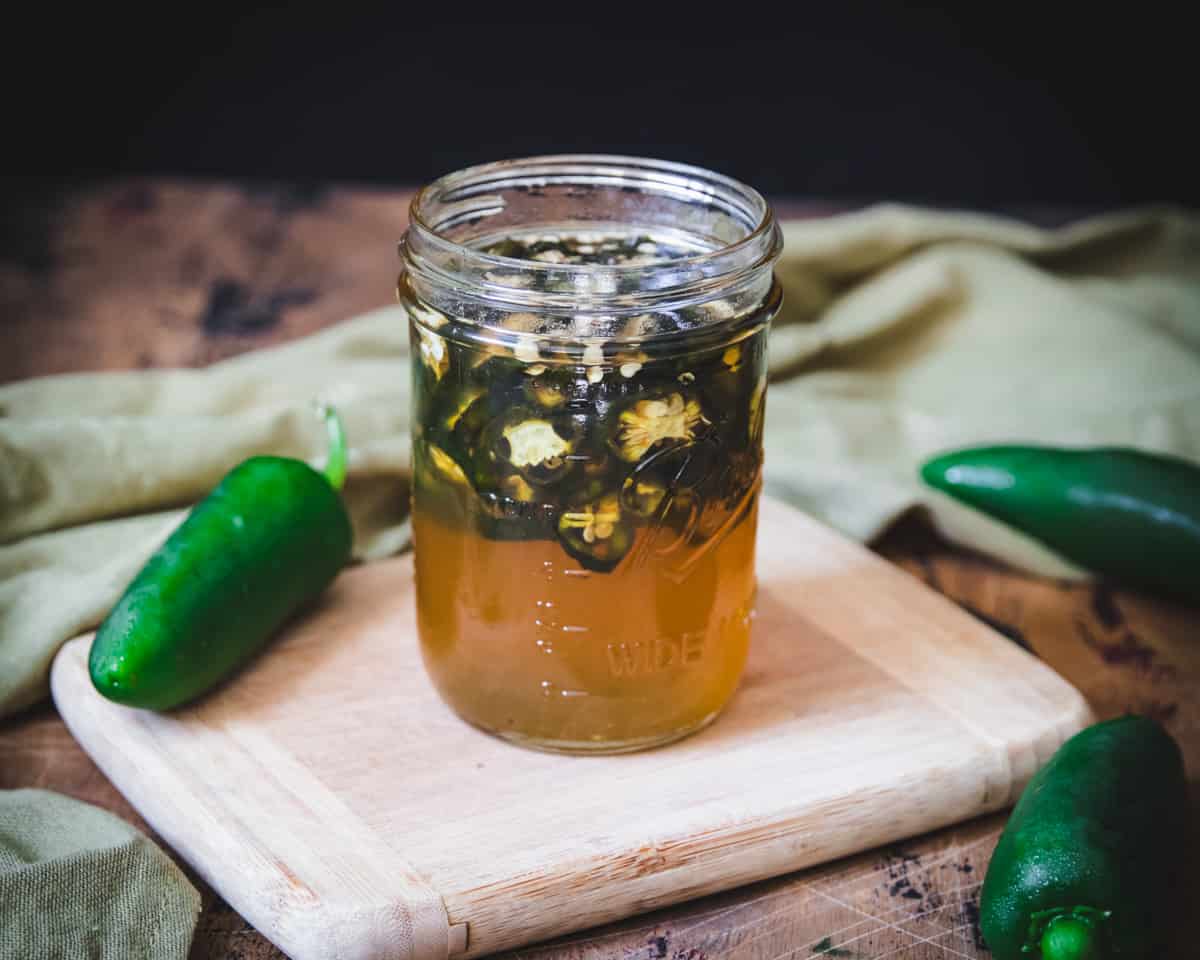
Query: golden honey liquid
x,y
522,641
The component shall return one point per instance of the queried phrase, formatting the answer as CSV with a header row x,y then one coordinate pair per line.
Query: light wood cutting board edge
x,y
389,907
348,905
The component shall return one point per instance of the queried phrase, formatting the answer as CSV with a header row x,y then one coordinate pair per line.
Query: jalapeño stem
x,y
1071,938
335,462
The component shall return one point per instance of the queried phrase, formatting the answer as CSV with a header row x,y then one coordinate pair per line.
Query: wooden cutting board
x,y
333,800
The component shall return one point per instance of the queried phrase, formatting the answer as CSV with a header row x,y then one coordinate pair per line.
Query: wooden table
x,y
160,273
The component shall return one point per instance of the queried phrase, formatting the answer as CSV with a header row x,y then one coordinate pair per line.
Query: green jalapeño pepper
x,y
1084,868
1124,514
270,537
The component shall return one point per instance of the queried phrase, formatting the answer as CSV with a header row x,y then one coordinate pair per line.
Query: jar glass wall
x,y
589,378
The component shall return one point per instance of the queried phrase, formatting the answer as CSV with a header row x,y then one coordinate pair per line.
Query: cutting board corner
x,y
329,773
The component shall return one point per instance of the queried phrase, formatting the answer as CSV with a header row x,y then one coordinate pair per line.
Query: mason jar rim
x,y
469,194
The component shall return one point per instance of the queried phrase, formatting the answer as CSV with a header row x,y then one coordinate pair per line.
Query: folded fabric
x,y
75,881
903,332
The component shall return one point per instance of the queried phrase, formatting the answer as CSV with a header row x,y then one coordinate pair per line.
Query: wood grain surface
x,y
155,273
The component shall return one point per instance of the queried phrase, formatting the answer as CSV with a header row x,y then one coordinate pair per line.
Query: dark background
x,y
858,102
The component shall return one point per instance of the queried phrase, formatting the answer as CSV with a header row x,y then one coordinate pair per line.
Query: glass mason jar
x,y
588,380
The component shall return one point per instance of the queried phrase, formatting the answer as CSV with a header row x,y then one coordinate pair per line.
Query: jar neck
x,y
727,232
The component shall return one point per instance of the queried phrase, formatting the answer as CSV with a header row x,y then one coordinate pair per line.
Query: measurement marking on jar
x,y
574,628
545,629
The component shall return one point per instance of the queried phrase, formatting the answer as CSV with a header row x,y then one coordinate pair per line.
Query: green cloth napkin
x,y
903,332
75,881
